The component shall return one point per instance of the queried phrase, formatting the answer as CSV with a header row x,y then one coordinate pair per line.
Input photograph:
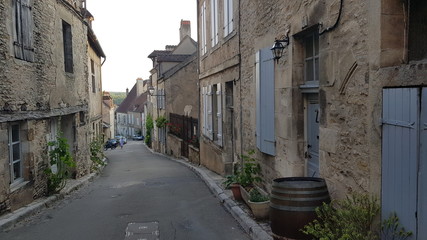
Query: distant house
x,y
108,109
130,113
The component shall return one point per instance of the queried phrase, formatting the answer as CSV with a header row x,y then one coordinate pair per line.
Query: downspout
x,y
240,90
328,29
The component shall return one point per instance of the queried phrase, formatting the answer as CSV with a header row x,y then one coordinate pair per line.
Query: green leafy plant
x,y
96,154
60,156
149,125
161,122
257,196
391,229
247,175
250,172
348,219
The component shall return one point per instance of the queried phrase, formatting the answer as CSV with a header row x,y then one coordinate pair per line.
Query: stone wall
x,y
34,94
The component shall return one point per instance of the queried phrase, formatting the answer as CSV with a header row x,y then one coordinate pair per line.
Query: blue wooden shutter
x,y
422,173
219,114
265,102
400,143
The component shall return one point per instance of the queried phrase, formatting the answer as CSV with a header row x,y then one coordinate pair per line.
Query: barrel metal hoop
x,y
326,197
293,209
302,192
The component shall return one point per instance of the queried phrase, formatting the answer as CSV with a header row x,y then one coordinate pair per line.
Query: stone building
x,y
172,67
43,91
219,75
346,101
96,58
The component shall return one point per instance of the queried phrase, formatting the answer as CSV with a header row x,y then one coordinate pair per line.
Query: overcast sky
x,y
129,30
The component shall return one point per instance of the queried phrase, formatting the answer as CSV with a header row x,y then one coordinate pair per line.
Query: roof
x,y
132,102
126,104
173,58
157,53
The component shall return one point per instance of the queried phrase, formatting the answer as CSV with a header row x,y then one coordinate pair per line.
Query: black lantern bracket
x,y
280,45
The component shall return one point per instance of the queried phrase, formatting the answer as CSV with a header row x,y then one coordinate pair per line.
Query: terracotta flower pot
x,y
235,188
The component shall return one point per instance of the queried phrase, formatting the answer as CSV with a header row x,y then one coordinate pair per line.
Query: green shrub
x,y
391,229
256,196
348,219
96,154
60,156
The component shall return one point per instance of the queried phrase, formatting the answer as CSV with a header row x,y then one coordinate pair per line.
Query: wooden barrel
x,y
292,204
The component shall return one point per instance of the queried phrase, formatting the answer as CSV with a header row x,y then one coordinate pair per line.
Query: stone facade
x,y
219,73
39,97
327,89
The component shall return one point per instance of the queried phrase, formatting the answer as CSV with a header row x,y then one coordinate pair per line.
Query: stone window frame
x,y
203,49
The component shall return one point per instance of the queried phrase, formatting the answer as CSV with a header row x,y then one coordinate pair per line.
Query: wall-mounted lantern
x,y
279,46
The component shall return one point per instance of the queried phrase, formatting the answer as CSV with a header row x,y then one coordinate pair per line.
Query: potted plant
x,y
232,182
259,203
249,175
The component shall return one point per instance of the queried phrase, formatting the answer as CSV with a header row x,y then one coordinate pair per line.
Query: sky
x,y
129,30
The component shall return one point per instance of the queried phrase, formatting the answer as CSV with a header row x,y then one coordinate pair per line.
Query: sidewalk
x,y
38,205
256,230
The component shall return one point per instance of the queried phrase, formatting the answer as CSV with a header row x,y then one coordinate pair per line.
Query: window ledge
x,y
16,186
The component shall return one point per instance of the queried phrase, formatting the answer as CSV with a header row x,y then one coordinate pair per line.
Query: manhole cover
x,y
142,231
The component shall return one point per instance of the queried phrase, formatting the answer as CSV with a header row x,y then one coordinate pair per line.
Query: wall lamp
x,y
151,90
279,46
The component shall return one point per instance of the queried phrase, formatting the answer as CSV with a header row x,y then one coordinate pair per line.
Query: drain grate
x,y
142,231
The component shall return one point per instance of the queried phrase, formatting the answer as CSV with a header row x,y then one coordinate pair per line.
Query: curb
x,y
18,215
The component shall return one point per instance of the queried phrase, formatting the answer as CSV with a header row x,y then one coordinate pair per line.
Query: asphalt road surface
x,y
139,195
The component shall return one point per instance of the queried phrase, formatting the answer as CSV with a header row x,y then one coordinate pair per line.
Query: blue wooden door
x,y
400,154
422,173
313,136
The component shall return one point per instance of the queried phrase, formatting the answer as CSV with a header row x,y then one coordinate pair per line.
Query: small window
x,y
417,30
311,59
15,154
68,47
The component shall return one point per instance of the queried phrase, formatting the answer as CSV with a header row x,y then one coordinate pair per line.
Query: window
x,y
214,22
15,160
228,17
68,47
264,78
203,49
417,30
92,72
212,112
23,30
311,59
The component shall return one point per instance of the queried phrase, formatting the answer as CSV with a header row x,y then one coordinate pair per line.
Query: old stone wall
x,y
33,94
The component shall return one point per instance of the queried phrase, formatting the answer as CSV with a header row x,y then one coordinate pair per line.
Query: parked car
x,y
138,137
121,137
111,143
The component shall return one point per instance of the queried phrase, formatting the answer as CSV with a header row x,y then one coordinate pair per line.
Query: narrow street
x,y
139,194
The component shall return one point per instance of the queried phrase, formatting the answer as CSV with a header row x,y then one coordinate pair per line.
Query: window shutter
x,y
209,113
219,114
27,31
228,17
205,111
265,102
214,22
17,30
203,19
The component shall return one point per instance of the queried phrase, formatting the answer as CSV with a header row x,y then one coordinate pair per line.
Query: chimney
x,y
127,91
184,30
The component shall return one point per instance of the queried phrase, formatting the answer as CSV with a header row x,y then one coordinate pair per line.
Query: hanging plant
x,y
161,122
